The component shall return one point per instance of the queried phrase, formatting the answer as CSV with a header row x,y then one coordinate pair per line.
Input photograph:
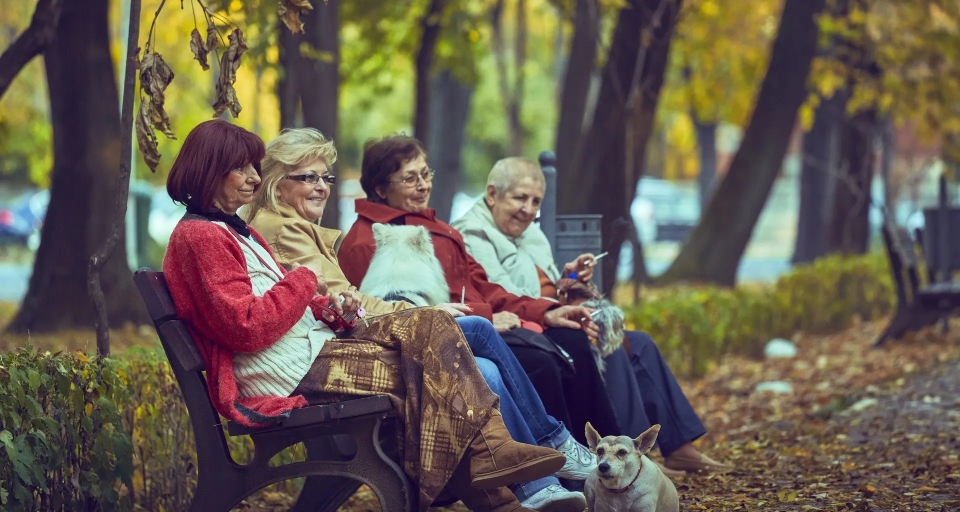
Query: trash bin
x,y
578,234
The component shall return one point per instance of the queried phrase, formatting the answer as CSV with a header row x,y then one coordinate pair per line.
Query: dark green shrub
x,y
64,447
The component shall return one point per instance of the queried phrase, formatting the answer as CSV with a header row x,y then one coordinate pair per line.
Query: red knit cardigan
x,y
207,275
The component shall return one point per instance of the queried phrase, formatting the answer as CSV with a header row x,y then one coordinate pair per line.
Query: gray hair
x,y
291,148
508,171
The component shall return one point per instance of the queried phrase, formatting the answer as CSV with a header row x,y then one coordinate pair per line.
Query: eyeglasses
x,y
413,179
313,179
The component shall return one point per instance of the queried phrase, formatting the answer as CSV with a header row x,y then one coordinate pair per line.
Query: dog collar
x,y
618,491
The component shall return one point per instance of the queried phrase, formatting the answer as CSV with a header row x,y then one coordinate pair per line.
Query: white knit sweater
x,y
278,369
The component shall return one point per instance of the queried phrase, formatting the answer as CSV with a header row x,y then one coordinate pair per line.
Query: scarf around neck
x,y
234,221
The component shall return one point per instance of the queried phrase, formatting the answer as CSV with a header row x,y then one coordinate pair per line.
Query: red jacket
x,y
460,269
207,276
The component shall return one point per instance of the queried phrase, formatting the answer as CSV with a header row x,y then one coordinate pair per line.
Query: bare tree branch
x,y
120,206
32,42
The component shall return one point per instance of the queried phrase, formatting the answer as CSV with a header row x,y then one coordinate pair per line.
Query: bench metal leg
x,y
327,493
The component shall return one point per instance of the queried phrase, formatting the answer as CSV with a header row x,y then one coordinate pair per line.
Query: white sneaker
x,y
554,498
580,461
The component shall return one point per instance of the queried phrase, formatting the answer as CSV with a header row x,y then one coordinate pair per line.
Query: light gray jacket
x,y
510,262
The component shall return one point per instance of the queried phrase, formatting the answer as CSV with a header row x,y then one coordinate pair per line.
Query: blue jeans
x,y
507,379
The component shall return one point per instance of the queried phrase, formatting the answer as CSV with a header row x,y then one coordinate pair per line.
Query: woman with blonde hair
x,y
285,210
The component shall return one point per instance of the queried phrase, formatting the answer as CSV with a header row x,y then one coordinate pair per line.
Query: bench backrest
x,y
904,260
186,362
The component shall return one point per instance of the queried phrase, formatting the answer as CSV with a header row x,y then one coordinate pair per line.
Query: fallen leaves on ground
x,y
864,430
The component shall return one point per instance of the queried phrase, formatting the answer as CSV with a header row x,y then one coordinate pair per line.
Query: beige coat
x,y
295,239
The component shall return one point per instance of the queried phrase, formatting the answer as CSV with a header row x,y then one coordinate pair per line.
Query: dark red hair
x,y
209,153
383,157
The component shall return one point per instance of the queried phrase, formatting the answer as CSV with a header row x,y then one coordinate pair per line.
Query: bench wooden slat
x,y
321,413
158,300
175,335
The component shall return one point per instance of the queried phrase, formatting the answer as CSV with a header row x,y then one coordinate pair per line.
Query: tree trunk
x,y
707,145
450,110
714,249
32,42
818,168
576,84
287,44
848,231
605,178
430,25
86,148
318,84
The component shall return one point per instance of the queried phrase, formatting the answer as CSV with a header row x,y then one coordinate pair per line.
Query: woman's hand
x,y
583,266
317,271
351,302
455,309
505,320
572,317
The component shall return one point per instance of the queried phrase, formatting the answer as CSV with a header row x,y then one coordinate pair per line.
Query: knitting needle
x,y
463,295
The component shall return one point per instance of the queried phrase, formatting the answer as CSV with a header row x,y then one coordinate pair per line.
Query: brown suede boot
x,y
497,460
499,499
688,458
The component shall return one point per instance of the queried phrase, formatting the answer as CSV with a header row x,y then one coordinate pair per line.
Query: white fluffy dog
x,y
404,267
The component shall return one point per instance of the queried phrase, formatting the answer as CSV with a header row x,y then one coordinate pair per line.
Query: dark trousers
x,y
574,395
645,392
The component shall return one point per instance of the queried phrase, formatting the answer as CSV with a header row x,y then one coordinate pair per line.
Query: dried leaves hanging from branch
x,y
155,76
229,63
290,10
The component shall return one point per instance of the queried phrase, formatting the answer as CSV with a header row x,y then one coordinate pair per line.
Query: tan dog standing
x,y
625,479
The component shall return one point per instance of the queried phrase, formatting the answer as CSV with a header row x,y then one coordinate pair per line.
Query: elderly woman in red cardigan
x,y
268,338
547,339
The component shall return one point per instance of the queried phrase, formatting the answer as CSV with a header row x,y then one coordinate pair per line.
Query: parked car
x,y
20,224
664,211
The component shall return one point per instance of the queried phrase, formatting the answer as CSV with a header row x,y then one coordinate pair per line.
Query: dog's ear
x,y
593,437
644,442
379,230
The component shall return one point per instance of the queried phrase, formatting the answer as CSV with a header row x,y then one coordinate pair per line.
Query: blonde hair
x,y
291,148
508,171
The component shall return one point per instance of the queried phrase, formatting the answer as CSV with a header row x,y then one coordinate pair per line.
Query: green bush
x,y
81,434
694,326
63,442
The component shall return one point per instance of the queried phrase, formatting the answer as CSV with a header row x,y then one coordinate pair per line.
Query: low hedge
x,y
64,445
694,326
80,434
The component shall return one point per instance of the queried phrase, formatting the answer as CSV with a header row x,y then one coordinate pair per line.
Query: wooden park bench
x,y
344,442
920,302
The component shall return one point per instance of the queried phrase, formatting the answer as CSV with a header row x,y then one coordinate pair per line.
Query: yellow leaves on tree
x,y
899,57
718,57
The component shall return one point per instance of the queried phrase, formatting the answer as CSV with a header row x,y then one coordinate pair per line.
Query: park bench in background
x,y
343,440
920,302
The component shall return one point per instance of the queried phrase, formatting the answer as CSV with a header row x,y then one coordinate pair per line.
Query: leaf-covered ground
x,y
869,430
